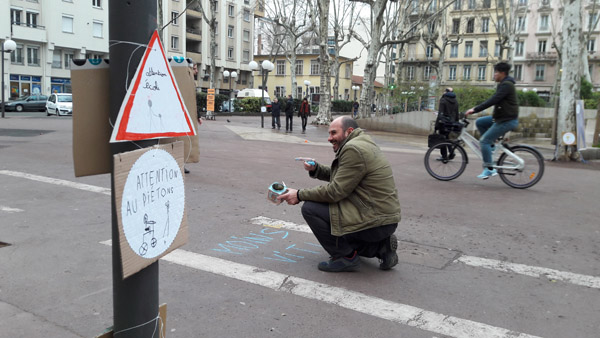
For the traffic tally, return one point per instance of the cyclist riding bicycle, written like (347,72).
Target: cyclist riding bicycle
(503,119)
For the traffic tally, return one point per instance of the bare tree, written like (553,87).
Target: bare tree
(571,75)
(322,23)
(507,24)
(211,20)
(591,26)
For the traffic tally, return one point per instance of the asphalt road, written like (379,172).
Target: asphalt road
(477,258)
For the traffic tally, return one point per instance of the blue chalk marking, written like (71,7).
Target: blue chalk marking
(317,245)
(281,258)
(225,249)
(289,254)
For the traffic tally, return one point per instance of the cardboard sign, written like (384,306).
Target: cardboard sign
(91,113)
(150,203)
(153,106)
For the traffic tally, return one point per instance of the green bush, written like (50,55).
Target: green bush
(201,102)
(250,104)
(341,106)
(471,96)
(530,99)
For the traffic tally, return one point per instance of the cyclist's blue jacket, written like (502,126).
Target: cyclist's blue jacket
(505,103)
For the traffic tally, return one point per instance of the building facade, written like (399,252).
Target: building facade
(50,33)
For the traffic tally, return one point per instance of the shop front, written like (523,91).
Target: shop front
(23,85)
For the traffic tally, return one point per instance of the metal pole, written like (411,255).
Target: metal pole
(262,102)
(135,299)
(3,79)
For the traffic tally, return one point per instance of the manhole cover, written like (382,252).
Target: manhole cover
(426,255)
(23,132)
(2,244)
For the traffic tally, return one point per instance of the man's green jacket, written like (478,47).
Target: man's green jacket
(361,191)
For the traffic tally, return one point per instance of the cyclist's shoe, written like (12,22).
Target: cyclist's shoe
(451,156)
(487,173)
(388,257)
(442,159)
(341,264)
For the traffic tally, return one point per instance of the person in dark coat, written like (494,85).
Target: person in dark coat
(447,113)
(289,113)
(275,113)
(304,113)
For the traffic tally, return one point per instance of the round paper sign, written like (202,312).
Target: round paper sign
(568,138)
(153,203)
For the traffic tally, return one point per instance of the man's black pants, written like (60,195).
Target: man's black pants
(367,243)
(288,122)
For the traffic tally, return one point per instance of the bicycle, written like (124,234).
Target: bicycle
(519,166)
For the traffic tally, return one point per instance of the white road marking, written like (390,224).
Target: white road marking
(352,300)
(56,181)
(527,270)
(532,271)
(9,210)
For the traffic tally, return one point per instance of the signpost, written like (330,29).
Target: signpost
(210,104)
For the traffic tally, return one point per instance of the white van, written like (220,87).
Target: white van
(251,92)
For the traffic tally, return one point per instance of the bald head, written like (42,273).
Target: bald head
(339,129)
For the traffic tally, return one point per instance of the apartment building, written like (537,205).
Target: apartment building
(475,45)
(50,33)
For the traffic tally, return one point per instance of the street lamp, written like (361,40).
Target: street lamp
(265,67)
(7,47)
(231,76)
(306,83)
(355,88)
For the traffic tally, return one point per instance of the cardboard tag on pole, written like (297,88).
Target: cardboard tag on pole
(150,203)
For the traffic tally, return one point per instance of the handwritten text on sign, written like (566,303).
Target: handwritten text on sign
(153,203)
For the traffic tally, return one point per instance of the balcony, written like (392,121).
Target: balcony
(542,56)
(26,32)
(193,34)
(195,56)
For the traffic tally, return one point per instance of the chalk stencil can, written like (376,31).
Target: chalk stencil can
(275,190)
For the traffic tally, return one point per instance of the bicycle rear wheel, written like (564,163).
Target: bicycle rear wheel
(530,175)
(449,167)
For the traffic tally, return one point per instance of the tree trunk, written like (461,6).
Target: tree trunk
(324,115)
(570,78)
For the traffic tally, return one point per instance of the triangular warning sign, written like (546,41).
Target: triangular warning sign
(153,106)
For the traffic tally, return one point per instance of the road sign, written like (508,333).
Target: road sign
(153,106)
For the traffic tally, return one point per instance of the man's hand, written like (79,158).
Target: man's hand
(310,167)
(291,196)
(469,112)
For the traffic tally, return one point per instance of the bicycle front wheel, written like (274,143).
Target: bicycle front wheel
(530,174)
(446,161)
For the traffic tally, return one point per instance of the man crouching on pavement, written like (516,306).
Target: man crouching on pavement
(357,211)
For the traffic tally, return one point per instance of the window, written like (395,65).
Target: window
(431,27)
(522,2)
(483,48)
(216,53)
(246,35)
(472,4)
(429,51)
(521,23)
(468,49)
(230,53)
(246,15)
(174,42)
(455,26)
(457,5)
(544,23)
(97,29)
(518,72)
(68,59)
(519,48)
(174,16)
(15,16)
(454,50)
(471,25)
(67,24)
(452,72)
(97,3)
(230,31)
(410,72)
(299,67)
(542,46)
(539,72)
(246,55)
(230,10)
(485,25)
(592,21)
(280,67)
(467,72)
(57,59)
(16,56)
(500,24)
(315,67)
(349,71)
(481,72)
(32,19)
(497,48)
(33,56)
(487,3)
(591,46)
(279,91)
(426,72)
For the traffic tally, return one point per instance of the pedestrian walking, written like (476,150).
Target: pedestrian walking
(275,113)
(357,211)
(355,108)
(289,113)
(447,114)
(304,113)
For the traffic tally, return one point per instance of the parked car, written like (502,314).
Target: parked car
(23,103)
(59,104)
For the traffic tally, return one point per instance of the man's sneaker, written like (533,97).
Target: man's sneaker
(487,173)
(388,257)
(341,264)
